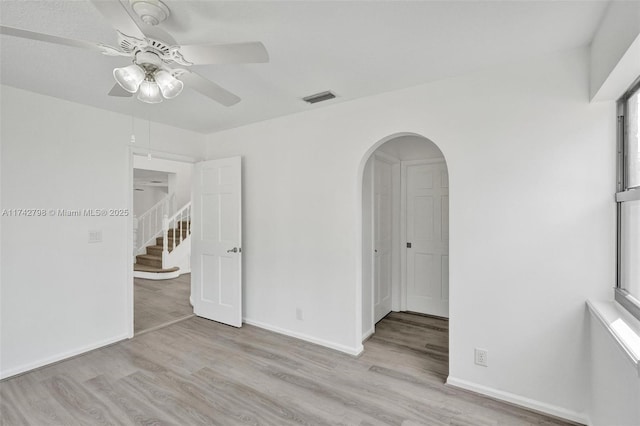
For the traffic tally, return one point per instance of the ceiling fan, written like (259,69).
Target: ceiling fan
(153,75)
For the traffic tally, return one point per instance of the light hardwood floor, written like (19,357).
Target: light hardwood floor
(198,372)
(159,302)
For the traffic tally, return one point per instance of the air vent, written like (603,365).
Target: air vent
(319,97)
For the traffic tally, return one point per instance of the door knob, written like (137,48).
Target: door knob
(233,250)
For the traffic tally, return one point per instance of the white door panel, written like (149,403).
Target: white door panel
(382,220)
(427,221)
(216,241)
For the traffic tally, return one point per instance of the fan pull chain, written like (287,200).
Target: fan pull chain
(149,131)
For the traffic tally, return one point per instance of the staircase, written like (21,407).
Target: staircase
(167,253)
(151,261)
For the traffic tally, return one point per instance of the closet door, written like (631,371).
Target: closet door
(427,219)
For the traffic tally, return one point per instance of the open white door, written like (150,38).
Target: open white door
(216,235)
(382,225)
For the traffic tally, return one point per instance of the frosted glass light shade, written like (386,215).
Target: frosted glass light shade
(149,92)
(129,78)
(169,85)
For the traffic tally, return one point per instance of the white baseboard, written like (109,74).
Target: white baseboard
(60,357)
(521,401)
(331,345)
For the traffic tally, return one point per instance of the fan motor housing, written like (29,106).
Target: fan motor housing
(148,60)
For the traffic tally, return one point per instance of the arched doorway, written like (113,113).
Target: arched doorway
(405,230)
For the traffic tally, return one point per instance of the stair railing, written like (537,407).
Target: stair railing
(179,230)
(148,226)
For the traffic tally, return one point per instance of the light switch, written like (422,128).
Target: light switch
(95,236)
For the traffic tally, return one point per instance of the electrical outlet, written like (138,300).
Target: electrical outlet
(482,357)
(299,315)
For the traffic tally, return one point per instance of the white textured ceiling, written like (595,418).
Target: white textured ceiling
(352,48)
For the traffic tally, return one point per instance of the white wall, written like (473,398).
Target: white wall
(180,174)
(147,198)
(61,295)
(615,51)
(531,166)
(615,396)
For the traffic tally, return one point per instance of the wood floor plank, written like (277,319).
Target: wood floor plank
(30,396)
(201,372)
(158,302)
(136,411)
(80,402)
(173,403)
(11,414)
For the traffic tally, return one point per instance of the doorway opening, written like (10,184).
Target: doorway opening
(405,235)
(161,201)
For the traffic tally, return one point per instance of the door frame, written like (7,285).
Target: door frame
(403,222)
(163,155)
(360,303)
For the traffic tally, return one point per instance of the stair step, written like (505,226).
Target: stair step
(157,249)
(149,260)
(145,268)
(171,232)
(169,240)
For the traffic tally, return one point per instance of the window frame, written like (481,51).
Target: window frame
(623,195)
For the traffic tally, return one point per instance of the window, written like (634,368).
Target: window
(628,201)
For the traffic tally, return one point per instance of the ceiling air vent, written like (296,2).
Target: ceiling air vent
(319,97)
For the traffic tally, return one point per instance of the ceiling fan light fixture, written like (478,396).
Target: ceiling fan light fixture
(168,84)
(129,78)
(149,92)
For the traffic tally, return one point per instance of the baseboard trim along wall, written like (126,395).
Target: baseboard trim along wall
(5,374)
(331,345)
(520,401)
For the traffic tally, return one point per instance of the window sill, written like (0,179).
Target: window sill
(622,326)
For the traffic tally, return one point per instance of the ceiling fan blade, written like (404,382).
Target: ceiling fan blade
(16,32)
(236,53)
(119,92)
(118,16)
(209,88)
(158,34)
